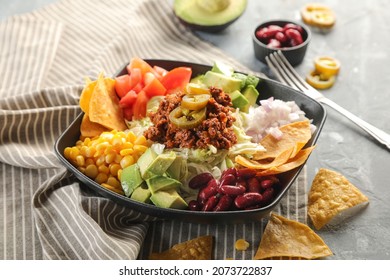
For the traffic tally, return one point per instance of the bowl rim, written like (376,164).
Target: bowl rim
(285,21)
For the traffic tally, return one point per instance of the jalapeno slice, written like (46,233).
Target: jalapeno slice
(184,118)
(327,66)
(195,101)
(194,88)
(319,81)
(318,15)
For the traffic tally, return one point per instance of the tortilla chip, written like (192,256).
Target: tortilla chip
(104,106)
(292,163)
(284,238)
(195,249)
(85,96)
(279,160)
(90,129)
(332,198)
(295,135)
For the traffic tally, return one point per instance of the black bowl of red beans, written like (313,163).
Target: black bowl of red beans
(288,36)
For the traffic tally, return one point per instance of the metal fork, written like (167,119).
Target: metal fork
(287,75)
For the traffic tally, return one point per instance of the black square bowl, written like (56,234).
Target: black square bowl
(267,88)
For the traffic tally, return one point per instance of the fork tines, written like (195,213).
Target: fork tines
(284,71)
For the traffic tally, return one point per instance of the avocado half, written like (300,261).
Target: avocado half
(209,15)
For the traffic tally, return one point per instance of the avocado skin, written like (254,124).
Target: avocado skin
(191,15)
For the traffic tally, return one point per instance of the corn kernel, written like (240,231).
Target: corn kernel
(101,160)
(119,174)
(101,178)
(80,160)
(110,157)
(103,169)
(126,152)
(89,161)
(127,161)
(114,182)
(114,168)
(130,137)
(141,140)
(74,152)
(67,152)
(241,245)
(127,145)
(111,188)
(91,171)
(90,151)
(140,148)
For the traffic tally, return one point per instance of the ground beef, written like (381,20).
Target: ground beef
(215,130)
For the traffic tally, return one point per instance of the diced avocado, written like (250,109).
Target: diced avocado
(220,67)
(238,99)
(227,84)
(160,165)
(141,194)
(131,179)
(176,169)
(252,80)
(198,79)
(251,95)
(241,77)
(168,199)
(209,13)
(145,160)
(162,183)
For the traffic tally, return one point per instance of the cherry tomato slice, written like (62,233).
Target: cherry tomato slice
(327,66)
(318,81)
(186,119)
(195,101)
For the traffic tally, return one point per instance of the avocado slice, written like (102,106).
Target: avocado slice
(131,179)
(251,95)
(209,13)
(168,199)
(162,183)
(238,99)
(227,84)
(152,164)
(142,193)
(220,67)
(177,168)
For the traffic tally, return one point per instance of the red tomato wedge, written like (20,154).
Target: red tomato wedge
(141,64)
(160,71)
(139,107)
(154,88)
(128,113)
(135,77)
(128,100)
(177,78)
(122,85)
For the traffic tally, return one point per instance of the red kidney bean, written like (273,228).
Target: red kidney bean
(208,191)
(273,43)
(281,37)
(210,203)
(200,180)
(293,26)
(268,195)
(228,179)
(232,190)
(246,173)
(243,183)
(294,36)
(224,203)
(247,200)
(194,205)
(266,183)
(253,185)
(228,171)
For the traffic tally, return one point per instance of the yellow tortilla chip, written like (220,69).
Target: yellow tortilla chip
(285,238)
(332,198)
(104,106)
(279,160)
(85,96)
(295,135)
(90,129)
(292,163)
(195,249)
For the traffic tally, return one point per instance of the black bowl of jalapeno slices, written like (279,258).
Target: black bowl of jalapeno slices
(204,209)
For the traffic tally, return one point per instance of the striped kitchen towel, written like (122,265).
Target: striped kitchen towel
(44,56)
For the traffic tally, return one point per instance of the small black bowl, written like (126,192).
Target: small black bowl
(294,55)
